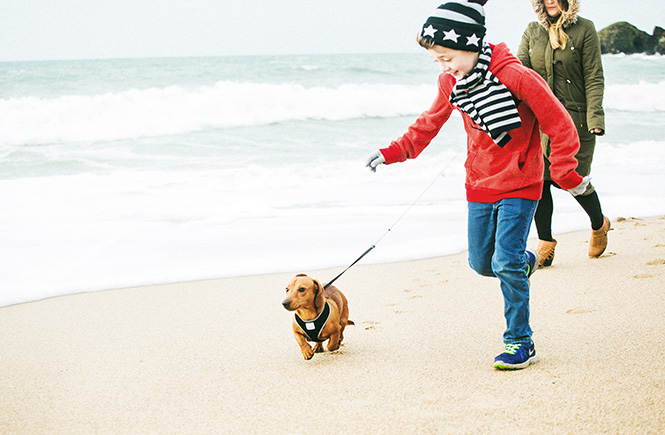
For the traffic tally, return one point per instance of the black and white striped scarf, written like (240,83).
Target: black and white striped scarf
(486,100)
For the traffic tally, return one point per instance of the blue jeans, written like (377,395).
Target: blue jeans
(497,243)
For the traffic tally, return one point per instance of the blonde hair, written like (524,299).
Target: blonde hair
(558,37)
(425,42)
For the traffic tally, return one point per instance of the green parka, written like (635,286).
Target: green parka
(575,74)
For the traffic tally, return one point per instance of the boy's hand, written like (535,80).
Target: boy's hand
(581,188)
(375,160)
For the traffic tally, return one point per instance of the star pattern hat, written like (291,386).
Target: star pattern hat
(458,24)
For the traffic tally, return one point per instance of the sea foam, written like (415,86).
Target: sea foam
(177,110)
(637,97)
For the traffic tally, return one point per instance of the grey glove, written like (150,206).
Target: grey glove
(581,188)
(375,160)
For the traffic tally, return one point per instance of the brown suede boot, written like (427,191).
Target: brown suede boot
(598,241)
(546,252)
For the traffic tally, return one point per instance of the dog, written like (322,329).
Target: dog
(320,314)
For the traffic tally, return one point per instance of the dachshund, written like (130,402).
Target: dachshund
(320,314)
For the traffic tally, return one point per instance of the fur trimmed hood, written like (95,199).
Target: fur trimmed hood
(569,16)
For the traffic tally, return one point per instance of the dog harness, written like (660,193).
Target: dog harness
(312,328)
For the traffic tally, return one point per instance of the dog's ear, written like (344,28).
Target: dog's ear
(319,298)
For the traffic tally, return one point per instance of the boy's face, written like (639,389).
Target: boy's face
(457,63)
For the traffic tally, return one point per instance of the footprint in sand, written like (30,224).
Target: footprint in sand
(412,296)
(656,262)
(580,311)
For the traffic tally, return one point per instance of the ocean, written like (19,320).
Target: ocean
(124,172)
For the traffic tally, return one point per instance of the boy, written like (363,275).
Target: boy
(503,105)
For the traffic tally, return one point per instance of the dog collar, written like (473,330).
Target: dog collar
(313,328)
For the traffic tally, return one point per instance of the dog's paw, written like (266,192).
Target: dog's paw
(307,352)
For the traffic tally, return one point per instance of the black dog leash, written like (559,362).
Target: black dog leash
(352,264)
(395,223)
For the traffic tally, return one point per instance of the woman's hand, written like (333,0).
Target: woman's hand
(597,131)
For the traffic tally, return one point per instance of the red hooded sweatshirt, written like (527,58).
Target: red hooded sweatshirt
(516,170)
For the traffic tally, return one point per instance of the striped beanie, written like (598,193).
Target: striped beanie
(457,24)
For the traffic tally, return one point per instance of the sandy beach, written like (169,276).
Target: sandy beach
(218,356)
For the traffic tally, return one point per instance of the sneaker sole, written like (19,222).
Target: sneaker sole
(500,365)
(535,263)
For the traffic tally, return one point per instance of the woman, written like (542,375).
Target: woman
(565,50)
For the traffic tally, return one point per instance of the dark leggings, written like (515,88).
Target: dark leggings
(543,218)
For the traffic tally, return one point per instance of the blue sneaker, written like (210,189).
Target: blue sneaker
(516,356)
(531,262)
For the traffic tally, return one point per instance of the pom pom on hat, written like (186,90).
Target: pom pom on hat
(458,24)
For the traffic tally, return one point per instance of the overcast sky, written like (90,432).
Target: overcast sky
(83,29)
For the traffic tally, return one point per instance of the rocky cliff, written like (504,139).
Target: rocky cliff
(623,37)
